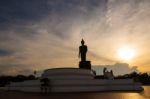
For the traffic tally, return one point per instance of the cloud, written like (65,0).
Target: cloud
(5,52)
(24,11)
(41,33)
(12,69)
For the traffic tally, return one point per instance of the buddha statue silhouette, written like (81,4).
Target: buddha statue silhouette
(84,64)
(82,51)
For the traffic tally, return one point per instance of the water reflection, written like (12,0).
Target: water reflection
(146,92)
(132,96)
(116,95)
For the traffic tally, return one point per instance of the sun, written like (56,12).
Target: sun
(126,53)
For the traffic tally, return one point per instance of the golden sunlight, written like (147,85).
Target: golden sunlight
(126,53)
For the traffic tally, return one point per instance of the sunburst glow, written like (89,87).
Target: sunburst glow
(126,53)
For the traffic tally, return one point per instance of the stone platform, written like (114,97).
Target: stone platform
(75,80)
(85,64)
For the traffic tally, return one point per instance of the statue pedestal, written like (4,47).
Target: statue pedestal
(85,64)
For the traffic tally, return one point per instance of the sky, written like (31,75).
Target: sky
(41,34)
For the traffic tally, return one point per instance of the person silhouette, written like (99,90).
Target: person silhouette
(82,51)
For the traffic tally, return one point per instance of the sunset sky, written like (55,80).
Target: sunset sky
(41,34)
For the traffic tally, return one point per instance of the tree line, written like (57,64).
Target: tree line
(19,78)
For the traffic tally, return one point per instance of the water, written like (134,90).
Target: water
(123,95)
(99,95)
(108,95)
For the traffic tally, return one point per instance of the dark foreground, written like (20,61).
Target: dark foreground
(101,95)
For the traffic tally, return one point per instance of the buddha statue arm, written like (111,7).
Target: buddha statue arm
(79,53)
